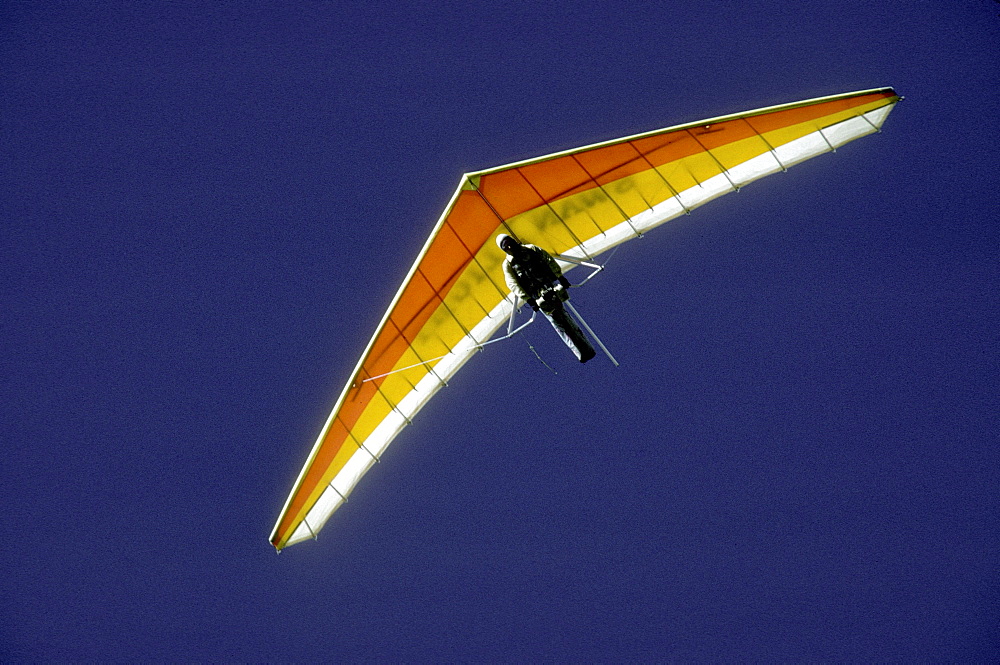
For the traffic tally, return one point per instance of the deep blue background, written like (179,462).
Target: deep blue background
(206,208)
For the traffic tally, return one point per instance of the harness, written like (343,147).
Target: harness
(533,272)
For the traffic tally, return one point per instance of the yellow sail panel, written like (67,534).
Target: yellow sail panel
(579,202)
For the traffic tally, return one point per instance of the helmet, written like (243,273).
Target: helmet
(504,238)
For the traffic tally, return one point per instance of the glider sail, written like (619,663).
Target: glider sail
(579,203)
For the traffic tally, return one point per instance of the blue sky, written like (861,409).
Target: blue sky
(209,206)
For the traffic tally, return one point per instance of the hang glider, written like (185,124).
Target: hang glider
(578,203)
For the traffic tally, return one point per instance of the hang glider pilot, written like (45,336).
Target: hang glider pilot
(535,277)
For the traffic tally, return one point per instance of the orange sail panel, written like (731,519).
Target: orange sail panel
(578,203)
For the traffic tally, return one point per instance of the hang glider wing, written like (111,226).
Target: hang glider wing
(579,203)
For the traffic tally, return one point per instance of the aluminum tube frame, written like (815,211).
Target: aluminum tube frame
(580,262)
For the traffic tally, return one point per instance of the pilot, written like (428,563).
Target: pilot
(535,277)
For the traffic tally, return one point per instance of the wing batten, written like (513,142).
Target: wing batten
(580,203)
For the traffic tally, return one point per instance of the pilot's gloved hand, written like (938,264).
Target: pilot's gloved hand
(534,305)
(565,282)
